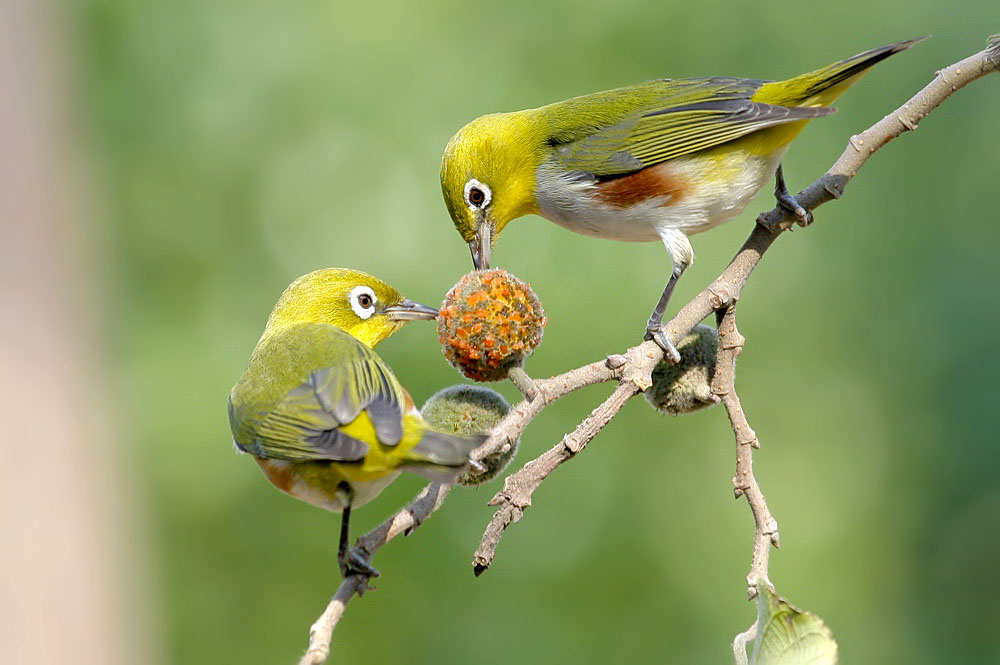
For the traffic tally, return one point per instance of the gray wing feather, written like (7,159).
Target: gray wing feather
(337,446)
(385,413)
(695,115)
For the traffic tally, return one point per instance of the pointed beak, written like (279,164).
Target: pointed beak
(407,310)
(480,246)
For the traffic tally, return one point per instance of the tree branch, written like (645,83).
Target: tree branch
(405,521)
(636,365)
(518,487)
(744,484)
(633,368)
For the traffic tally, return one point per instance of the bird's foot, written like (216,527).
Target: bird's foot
(356,561)
(658,333)
(787,201)
(802,216)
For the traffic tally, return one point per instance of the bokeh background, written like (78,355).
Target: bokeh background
(219,149)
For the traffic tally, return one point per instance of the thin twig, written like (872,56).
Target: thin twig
(904,119)
(518,487)
(744,484)
(406,520)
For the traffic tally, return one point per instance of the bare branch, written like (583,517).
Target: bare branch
(633,368)
(636,365)
(744,484)
(518,487)
(904,119)
(406,520)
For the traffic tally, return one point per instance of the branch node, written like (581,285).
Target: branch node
(615,361)
(525,384)
(720,296)
(572,444)
(833,187)
(907,123)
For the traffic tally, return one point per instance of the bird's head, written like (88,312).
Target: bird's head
(361,305)
(488,177)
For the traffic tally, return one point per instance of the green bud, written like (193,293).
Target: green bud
(687,386)
(464,409)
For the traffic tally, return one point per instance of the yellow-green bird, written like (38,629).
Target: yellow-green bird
(659,160)
(322,414)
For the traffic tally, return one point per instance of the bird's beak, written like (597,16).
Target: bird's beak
(480,246)
(407,310)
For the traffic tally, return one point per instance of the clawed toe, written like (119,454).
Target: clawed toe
(659,335)
(356,562)
(787,201)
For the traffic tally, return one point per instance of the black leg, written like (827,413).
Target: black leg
(351,561)
(655,329)
(787,201)
(345,520)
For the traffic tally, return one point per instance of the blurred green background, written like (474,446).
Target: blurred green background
(237,144)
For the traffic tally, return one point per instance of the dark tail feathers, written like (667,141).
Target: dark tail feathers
(442,457)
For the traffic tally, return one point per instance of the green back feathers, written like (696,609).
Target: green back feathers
(303,383)
(314,393)
(687,116)
(628,129)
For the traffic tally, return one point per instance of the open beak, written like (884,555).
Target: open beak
(480,246)
(407,310)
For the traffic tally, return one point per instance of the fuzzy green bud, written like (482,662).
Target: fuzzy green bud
(465,410)
(687,386)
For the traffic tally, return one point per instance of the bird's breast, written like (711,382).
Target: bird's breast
(690,194)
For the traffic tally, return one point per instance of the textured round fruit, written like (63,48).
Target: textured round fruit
(489,323)
(687,386)
(466,410)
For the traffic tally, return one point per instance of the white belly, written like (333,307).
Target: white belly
(722,188)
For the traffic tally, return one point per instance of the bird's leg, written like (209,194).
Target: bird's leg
(352,561)
(787,201)
(655,330)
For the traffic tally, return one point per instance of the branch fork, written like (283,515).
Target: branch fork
(631,370)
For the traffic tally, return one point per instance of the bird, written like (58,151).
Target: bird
(323,415)
(655,161)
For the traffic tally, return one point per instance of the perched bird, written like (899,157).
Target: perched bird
(322,414)
(659,160)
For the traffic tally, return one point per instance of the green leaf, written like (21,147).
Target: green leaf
(787,635)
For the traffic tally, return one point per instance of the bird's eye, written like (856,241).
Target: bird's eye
(363,299)
(477,194)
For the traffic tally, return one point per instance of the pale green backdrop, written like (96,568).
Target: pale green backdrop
(240,143)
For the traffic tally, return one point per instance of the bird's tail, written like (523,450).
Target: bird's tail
(823,86)
(442,457)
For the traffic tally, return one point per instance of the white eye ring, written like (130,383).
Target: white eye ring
(483,188)
(359,293)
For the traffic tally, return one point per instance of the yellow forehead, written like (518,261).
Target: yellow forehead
(325,296)
(503,152)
